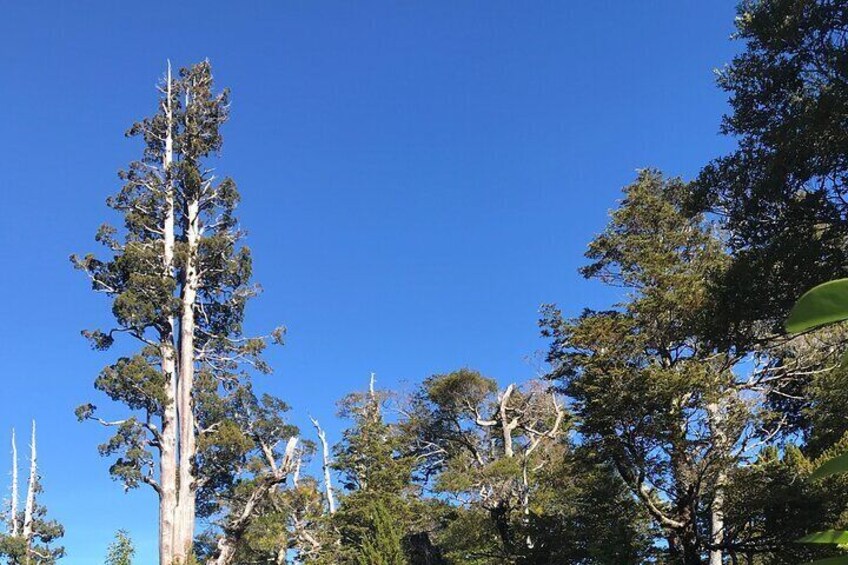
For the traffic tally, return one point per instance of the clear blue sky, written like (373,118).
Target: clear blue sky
(417,177)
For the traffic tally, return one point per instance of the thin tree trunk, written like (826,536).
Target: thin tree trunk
(234,530)
(691,555)
(525,500)
(325,466)
(717,522)
(507,426)
(29,508)
(716,421)
(13,508)
(168,443)
(500,516)
(185,405)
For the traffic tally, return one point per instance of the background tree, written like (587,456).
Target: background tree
(31,536)
(179,280)
(772,503)
(781,195)
(374,469)
(655,391)
(121,551)
(584,513)
(485,448)
(383,542)
(247,458)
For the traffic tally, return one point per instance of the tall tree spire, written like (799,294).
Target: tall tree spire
(32,486)
(13,503)
(179,279)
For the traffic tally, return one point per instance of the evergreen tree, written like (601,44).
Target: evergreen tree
(781,195)
(374,469)
(382,544)
(179,279)
(656,391)
(773,502)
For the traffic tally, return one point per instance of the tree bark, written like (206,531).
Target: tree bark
(168,443)
(716,423)
(717,524)
(235,529)
(13,508)
(29,508)
(507,426)
(184,527)
(325,465)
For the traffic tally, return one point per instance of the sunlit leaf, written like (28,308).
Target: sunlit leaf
(838,537)
(841,560)
(838,464)
(824,304)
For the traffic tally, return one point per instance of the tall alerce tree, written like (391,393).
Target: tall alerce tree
(178,278)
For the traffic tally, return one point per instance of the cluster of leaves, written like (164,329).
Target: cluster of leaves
(121,550)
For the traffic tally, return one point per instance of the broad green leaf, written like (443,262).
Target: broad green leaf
(824,304)
(838,537)
(841,560)
(838,464)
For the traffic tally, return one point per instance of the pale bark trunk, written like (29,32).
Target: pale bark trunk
(716,423)
(13,508)
(325,466)
(525,500)
(29,508)
(168,447)
(506,425)
(296,474)
(184,530)
(228,542)
(717,523)
(226,553)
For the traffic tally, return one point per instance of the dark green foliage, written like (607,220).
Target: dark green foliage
(374,469)
(145,292)
(781,194)
(654,393)
(584,513)
(772,503)
(382,544)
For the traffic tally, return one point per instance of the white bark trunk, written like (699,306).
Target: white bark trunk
(13,503)
(29,507)
(717,524)
(184,527)
(716,424)
(168,448)
(325,466)
(228,543)
(507,426)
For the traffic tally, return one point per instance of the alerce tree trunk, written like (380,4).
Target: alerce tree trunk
(179,280)
(168,449)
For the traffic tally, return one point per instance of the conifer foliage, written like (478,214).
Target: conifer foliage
(382,545)
(178,279)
